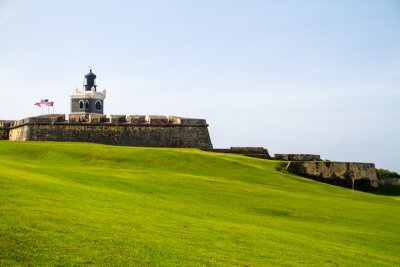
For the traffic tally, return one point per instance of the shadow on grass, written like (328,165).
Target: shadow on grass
(389,190)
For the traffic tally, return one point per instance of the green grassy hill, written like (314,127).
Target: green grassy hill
(73,203)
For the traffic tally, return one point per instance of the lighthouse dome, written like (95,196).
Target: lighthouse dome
(90,81)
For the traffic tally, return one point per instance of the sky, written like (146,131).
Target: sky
(315,77)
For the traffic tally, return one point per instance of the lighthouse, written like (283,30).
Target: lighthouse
(88,101)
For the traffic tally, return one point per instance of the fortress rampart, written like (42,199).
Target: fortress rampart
(389,181)
(255,152)
(134,130)
(338,173)
(5,129)
(297,157)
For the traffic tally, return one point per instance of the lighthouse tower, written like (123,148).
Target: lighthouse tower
(88,101)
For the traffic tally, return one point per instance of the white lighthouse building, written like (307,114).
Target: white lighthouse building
(88,101)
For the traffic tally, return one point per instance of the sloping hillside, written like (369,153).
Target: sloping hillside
(71,204)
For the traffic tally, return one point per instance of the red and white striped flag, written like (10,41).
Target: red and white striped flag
(37,104)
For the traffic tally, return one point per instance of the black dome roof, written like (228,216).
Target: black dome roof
(90,74)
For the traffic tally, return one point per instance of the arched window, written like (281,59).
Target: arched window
(81,104)
(87,104)
(98,105)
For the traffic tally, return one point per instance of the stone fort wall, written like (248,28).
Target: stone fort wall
(157,131)
(4,134)
(5,129)
(177,132)
(297,157)
(255,152)
(338,173)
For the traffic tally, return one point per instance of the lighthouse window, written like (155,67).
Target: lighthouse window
(87,105)
(98,105)
(81,104)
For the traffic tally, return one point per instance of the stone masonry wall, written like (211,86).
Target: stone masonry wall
(297,157)
(4,134)
(118,133)
(338,173)
(389,181)
(256,152)
(5,129)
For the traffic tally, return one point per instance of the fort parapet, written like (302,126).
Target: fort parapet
(255,152)
(297,157)
(133,130)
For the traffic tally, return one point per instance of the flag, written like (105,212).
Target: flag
(38,104)
(44,101)
(50,104)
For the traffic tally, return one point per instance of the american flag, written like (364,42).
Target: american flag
(44,101)
(50,104)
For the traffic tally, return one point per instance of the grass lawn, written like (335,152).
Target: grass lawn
(74,203)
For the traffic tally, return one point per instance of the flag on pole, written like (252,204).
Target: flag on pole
(45,102)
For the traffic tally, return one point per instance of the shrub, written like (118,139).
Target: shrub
(381,173)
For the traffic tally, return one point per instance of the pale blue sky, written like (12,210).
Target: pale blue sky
(318,77)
